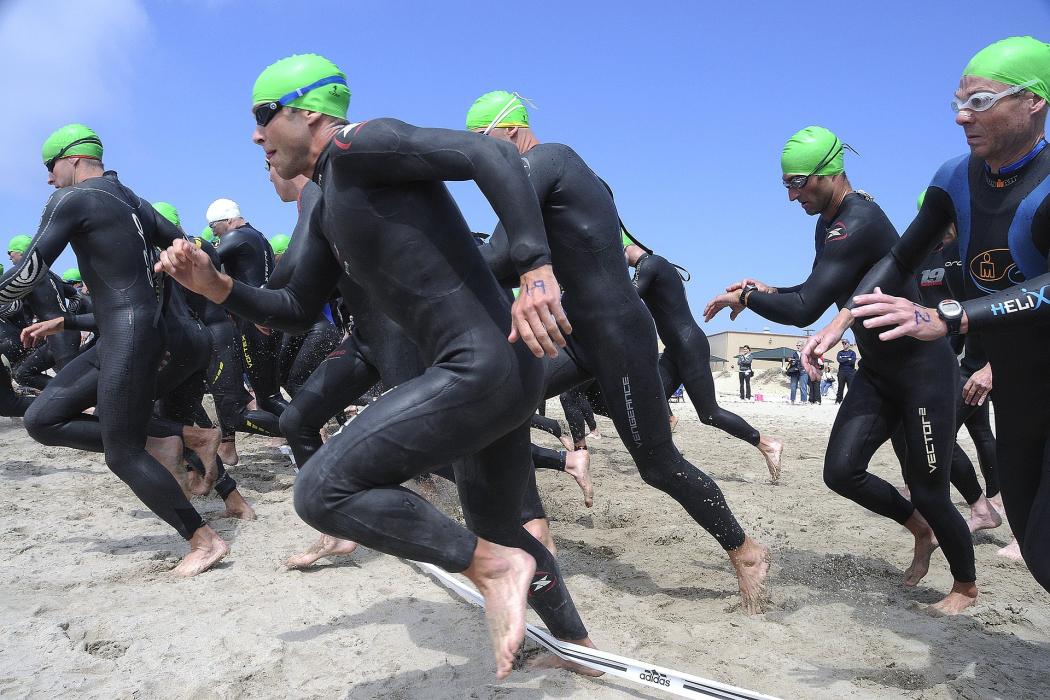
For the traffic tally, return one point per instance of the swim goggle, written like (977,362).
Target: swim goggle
(983,101)
(266,111)
(797,182)
(50,162)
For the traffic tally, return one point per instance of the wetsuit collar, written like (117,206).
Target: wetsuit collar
(322,161)
(1017,165)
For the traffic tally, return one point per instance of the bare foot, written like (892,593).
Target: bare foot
(751,561)
(595,434)
(997,501)
(567,443)
(327,546)
(674,422)
(502,576)
(983,516)
(772,450)
(206,550)
(228,451)
(578,466)
(905,492)
(205,442)
(168,451)
(962,596)
(925,546)
(1011,551)
(237,507)
(554,661)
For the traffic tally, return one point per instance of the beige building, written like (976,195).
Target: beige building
(729,344)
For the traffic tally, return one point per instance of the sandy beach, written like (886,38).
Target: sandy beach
(89,609)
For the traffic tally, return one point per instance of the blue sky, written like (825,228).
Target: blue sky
(682,107)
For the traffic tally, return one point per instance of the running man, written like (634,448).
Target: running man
(998,198)
(113,233)
(387,220)
(614,339)
(852,233)
(687,354)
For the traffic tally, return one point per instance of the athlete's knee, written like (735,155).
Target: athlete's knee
(659,465)
(291,421)
(308,498)
(840,477)
(42,424)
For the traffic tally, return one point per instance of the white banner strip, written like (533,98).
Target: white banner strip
(648,675)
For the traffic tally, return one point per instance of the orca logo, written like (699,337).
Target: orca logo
(837,232)
(655,677)
(541,583)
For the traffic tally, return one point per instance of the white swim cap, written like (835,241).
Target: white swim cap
(222,209)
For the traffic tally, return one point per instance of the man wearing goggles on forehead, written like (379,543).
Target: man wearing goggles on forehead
(852,234)
(998,198)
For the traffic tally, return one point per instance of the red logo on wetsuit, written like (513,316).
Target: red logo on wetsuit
(541,583)
(346,133)
(837,232)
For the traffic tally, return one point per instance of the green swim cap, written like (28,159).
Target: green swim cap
(168,212)
(19,244)
(72,140)
(1014,61)
(207,234)
(922,198)
(812,151)
(72,275)
(279,243)
(497,108)
(304,81)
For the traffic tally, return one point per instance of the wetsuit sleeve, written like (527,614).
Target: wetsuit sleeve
(921,238)
(62,216)
(390,152)
(296,306)
(789,290)
(843,257)
(10,310)
(79,322)
(643,277)
(496,253)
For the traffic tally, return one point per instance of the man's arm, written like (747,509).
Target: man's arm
(842,260)
(388,151)
(293,308)
(57,224)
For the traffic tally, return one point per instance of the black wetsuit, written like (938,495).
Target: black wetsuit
(903,382)
(299,355)
(686,359)
(388,222)
(613,338)
(1003,224)
(48,300)
(247,257)
(12,321)
(934,288)
(578,412)
(225,377)
(113,233)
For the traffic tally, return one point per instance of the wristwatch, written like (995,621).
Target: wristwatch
(748,288)
(951,313)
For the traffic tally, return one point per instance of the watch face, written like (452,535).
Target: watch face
(950,308)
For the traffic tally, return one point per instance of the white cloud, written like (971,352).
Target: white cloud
(63,61)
